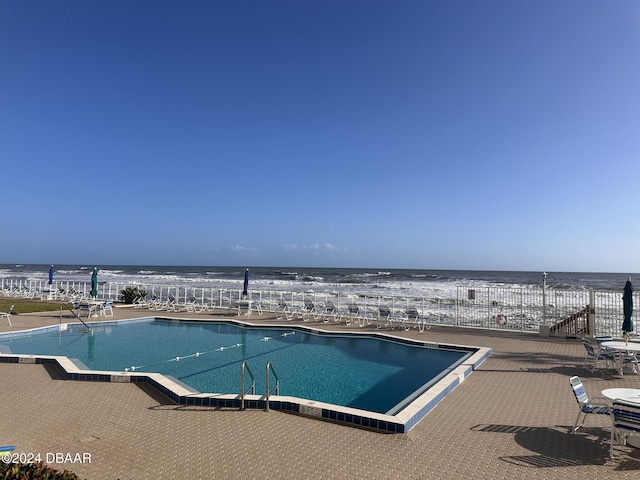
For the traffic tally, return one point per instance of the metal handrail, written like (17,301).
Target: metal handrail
(243,391)
(66,305)
(276,389)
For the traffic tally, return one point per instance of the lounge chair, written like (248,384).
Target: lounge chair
(311,310)
(176,306)
(585,406)
(384,315)
(285,311)
(594,356)
(330,312)
(7,315)
(625,422)
(140,301)
(412,316)
(353,313)
(172,303)
(152,302)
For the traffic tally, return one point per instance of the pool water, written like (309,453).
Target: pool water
(365,373)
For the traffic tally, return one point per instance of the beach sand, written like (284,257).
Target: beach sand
(509,419)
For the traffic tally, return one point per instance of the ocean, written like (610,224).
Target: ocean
(366,281)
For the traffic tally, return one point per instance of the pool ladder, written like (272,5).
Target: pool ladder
(243,390)
(66,305)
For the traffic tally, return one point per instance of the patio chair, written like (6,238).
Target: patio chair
(7,315)
(585,406)
(594,356)
(625,422)
(106,309)
(620,358)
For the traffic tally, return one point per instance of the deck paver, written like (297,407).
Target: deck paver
(508,419)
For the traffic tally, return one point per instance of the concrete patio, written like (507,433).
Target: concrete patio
(509,419)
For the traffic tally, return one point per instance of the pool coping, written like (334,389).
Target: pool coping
(182,394)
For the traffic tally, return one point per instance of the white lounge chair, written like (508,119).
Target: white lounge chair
(413,316)
(7,315)
(311,311)
(284,311)
(411,319)
(330,312)
(353,314)
(384,316)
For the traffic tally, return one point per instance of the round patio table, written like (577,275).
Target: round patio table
(631,348)
(628,395)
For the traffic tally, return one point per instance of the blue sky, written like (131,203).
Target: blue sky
(418,134)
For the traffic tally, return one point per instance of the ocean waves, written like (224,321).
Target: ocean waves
(359,282)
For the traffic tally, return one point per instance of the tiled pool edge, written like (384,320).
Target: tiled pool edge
(182,394)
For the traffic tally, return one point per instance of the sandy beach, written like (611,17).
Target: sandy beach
(508,419)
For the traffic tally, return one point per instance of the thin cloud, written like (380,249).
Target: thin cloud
(243,249)
(316,247)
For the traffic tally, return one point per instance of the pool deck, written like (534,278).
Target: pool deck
(509,419)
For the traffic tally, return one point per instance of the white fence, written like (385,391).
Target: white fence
(565,312)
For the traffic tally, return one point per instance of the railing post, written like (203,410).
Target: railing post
(244,366)
(242,386)
(266,396)
(591,314)
(277,388)
(544,329)
(544,298)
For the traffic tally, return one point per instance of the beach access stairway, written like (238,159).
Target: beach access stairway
(576,324)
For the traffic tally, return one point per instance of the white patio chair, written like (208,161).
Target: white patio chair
(106,309)
(7,315)
(585,406)
(595,356)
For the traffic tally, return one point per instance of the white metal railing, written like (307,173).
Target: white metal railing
(524,309)
(243,389)
(276,389)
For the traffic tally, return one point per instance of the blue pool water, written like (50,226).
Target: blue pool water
(365,373)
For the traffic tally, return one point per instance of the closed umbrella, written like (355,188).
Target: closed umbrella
(51,275)
(94,282)
(627,306)
(245,291)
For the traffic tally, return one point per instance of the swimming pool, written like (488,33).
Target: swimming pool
(360,373)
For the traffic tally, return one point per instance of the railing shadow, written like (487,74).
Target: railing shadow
(552,447)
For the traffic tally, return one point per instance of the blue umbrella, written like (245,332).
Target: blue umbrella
(51,275)
(94,282)
(245,292)
(627,306)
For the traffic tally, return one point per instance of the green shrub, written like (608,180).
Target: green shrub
(33,471)
(129,294)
